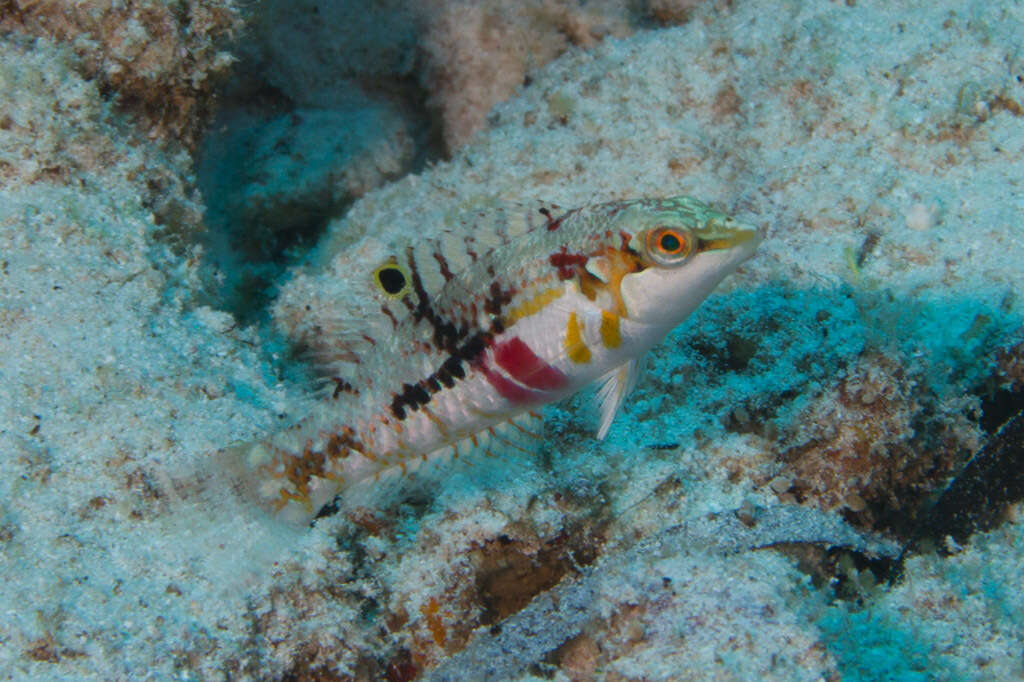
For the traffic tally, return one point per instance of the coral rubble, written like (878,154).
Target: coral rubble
(159,60)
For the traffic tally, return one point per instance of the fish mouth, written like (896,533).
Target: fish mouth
(744,236)
(760,232)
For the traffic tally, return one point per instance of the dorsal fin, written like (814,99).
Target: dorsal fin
(406,289)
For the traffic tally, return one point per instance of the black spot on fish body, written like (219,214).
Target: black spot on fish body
(342,386)
(417,395)
(413,396)
(474,347)
(392,280)
(452,369)
(497,298)
(396,407)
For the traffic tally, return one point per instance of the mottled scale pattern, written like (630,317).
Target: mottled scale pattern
(446,342)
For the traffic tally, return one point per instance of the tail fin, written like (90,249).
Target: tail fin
(282,485)
(291,487)
(265,485)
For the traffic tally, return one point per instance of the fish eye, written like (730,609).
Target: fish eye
(392,279)
(669,245)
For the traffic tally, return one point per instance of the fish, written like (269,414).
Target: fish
(448,342)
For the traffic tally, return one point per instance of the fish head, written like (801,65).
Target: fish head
(682,249)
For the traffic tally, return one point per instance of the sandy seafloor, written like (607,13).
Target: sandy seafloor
(882,145)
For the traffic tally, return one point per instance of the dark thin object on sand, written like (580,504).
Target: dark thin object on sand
(559,614)
(978,497)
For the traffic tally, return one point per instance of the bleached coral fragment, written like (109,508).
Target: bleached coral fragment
(920,216)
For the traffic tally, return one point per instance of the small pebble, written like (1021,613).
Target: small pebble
(920,217)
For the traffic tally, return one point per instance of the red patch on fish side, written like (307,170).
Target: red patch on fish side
(530,375)
(523,365)
(566,262)
(508,389)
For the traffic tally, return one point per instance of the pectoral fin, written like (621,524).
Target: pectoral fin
(612,391)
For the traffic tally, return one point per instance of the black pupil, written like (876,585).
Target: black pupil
(392,280)
(670,242)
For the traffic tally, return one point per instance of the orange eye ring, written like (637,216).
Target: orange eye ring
(669,245)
